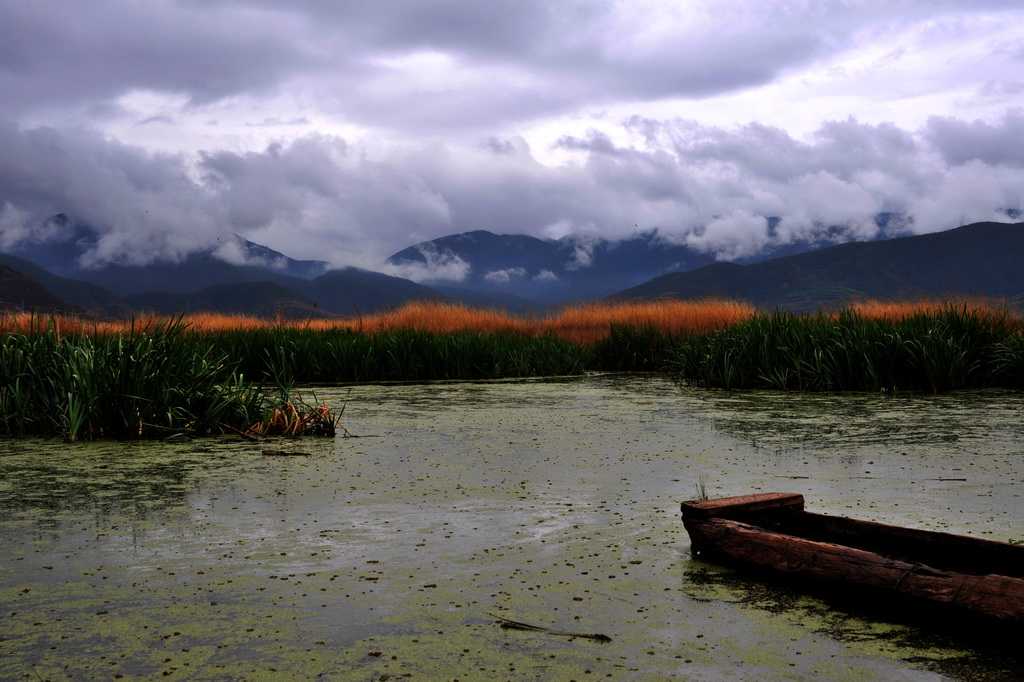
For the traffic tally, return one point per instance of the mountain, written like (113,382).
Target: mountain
(266,284)
(192,274)
(984,259)
(200,270)
(259,299)
(250,262)
(351,291)
(523,273)
(544,271)
(495,300)
(84,295)
(20,293)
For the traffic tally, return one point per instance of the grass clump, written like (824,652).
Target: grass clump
(340,355)
(156,378)
(126,385)
(950,349)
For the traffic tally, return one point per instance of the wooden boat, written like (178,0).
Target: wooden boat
(902,566)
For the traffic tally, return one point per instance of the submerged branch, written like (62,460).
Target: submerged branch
(516,625)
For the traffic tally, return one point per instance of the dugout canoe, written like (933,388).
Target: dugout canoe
(902,566)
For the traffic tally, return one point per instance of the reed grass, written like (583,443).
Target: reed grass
(982,306)
(155,383)
(152,377)
(581,324)
(338,355)
(949,349)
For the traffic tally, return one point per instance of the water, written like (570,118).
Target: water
(553,503)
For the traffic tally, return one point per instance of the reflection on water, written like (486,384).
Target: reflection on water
(876,420)
(552,502)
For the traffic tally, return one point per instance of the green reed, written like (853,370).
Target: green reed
(631,349)
(132,385)
(948,350)
(173,380)
(284,354)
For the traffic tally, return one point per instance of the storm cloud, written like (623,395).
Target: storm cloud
(348,131)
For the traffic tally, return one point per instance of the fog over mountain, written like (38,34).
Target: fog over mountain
(345,132)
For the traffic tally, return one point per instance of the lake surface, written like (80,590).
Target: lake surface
(549,502)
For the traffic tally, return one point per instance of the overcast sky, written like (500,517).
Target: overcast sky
(349,130)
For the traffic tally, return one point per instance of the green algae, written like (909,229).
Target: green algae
(547,502)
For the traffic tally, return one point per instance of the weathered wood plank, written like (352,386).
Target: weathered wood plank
(995,596)
(961,553)
(742,504)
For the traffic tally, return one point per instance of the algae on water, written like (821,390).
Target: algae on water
(548,502)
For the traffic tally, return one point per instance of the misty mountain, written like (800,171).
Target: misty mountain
(207,283)
(191,274)
(200,271)
(349,291)
(542,270)
(238,277)
(980,259)
(233,262)
(519,273)
(482,267)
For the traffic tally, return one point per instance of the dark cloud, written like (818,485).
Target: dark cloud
(323,197)
(960,142)
(64,54)
(421,82)
(508,62)
(426,66)
(143,205)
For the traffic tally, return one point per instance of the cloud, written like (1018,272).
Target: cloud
(582,255)
(346,131)
(505,275)
(455,65)
(356,203)
(545,276)
(324,199)
(737,235)
(437,266)
(961,142)
(968,193)
(84,55)
(18,226)
(143,205)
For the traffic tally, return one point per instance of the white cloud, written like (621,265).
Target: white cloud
(736,235)
(545,276)
(582,257)
(18,226)
(437,266)
(968,193)
(505,275)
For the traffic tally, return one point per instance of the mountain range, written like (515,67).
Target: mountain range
(516,272)
(982,259)
(546,271)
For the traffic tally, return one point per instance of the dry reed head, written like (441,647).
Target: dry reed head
(985,307)
(589,323)
(583,323)
(580,323)
(437,317)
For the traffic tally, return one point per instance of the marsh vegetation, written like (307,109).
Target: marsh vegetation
(153,378)
(155,383)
